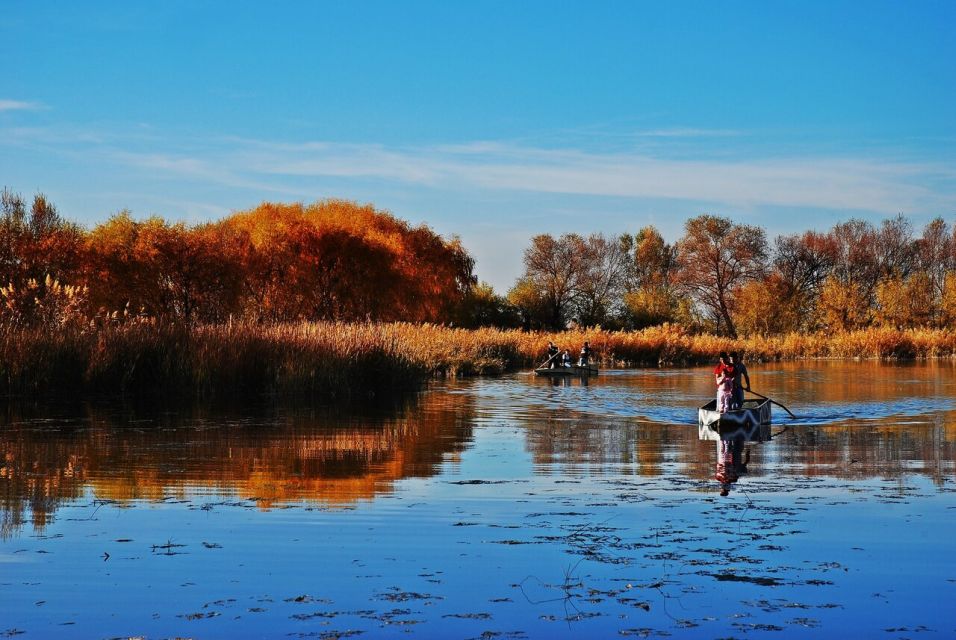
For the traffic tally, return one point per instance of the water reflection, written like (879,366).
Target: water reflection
(268,455)
(733,452)
(854,420)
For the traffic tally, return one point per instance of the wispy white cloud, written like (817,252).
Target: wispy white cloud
(841,183)
(745,180)
(19,105)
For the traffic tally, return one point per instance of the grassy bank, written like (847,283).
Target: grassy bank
(330,360)
(359,360)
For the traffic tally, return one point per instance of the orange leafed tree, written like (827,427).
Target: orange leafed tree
(342,261)
(331,260)
(40,253)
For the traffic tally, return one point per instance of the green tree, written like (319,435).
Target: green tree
(482,307)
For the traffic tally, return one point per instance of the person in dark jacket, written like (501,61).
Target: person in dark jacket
(740,377)
(553,352)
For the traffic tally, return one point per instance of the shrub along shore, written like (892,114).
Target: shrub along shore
(360,360)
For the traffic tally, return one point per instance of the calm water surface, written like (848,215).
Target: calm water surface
(494,508)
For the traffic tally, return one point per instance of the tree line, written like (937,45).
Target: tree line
(331,260)
(338,260)
(726,278)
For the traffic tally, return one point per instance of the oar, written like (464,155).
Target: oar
(545,363)
(771,400)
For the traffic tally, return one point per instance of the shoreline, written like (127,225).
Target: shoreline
(356,361)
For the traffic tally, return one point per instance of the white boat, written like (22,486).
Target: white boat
(750,422)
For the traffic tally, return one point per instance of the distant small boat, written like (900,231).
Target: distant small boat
(750,422)
(573,370)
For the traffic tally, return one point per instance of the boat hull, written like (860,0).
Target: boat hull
(750,422)
(560,372)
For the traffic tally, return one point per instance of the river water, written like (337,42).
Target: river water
(509,507)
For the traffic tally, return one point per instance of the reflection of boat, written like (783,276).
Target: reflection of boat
(573,370)
(750,422)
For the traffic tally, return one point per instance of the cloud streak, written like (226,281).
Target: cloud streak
(19,105)
(839,183)
(835,183)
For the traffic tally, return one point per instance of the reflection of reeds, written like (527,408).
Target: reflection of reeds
(361,359)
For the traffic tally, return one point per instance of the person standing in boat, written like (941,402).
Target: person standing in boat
(724,377)
(740,377)
(553,352)
(586,352)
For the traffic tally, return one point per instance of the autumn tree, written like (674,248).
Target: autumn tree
(650,298)
(896,250)
(553,271)
(40,253)
(904,303)
(936,257)
(842,305)
(947,303)
(338,260)
(855,257)
(132,266)
(767,306)
(529,303)
(803,263)
(605,267)
(715,258)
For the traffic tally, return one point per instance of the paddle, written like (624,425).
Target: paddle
(771,400)
(546,362)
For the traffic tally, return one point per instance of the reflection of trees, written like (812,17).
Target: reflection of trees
(850,450)
(866,450)
(589,443)
(278,456)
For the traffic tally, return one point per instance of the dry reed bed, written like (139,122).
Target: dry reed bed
(358,360)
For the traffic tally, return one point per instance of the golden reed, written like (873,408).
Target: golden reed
(358,360)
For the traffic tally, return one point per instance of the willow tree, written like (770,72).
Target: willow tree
(715,258)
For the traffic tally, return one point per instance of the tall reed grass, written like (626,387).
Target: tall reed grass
(360,360)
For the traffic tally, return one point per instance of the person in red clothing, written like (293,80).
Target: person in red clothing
(724,376)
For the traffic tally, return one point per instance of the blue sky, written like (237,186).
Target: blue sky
(491,120)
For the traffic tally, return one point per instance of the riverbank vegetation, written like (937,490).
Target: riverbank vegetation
(341,299)
(359,360)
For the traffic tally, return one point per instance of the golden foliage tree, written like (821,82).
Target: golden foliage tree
(332,260)
(767,306)
(651,300)
(904,303)
(843,305)
(342,261)
(947,304)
